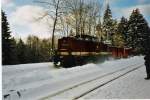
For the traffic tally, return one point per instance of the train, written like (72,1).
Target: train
(81,49)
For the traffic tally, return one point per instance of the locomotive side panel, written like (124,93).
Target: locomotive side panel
(76,47)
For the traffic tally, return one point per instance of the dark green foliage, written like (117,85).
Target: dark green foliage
(137,31)
(107,15)
(123,28)
(45,50)
(38,50)
(14,57)
(146,42)
(8,43)
(33,48)
(21,52)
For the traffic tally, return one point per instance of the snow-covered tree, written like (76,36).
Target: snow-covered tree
(137,31)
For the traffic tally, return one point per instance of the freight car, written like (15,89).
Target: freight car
(81,49)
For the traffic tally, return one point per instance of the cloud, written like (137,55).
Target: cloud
(141,1)
(7,3)
(26,17)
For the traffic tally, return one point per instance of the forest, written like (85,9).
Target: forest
(75,17)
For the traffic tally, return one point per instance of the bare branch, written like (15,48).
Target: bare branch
(41,17)
(44,2)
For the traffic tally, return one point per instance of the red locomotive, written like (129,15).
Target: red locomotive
(80,49)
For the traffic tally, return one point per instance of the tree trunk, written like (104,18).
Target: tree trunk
(54,27)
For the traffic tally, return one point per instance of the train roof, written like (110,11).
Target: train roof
(82,37)
(86,36)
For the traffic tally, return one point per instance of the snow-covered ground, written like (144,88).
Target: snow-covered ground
(35,81)
(130,86)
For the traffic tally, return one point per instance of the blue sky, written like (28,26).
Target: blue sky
(125,7)
(19,14)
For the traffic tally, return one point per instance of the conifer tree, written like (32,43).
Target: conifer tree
(14,57)
(8,43)
(45,50)
(123,28)
(114,33)
(108,23)
(21,52)
(33,49)
(138,29)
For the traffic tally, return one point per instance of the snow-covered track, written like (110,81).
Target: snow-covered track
(91,85)
(107,82)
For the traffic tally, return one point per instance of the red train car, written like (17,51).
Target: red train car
(118,52)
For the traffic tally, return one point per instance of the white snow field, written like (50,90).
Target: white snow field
(43,81)
(131,86)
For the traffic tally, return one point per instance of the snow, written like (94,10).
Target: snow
(131,86)
(21,77)
(36,81)
(103,79)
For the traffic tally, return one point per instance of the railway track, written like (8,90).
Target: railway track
(113,79)
(92,84)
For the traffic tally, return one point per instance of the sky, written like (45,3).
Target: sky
(22,15)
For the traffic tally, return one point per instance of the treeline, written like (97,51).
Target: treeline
(17,51)
(77,17)
(33,50)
